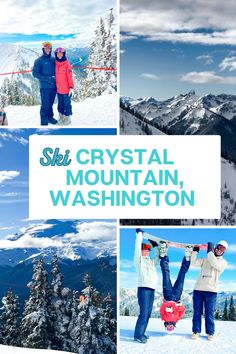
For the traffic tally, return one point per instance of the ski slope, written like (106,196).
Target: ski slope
(179,342)
(97,112)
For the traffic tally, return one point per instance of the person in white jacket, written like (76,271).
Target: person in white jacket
(206,288)
(147,283)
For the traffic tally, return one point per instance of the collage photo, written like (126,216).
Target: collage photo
(117,177)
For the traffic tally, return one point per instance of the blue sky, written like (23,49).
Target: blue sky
(172,48)
(128,277)
(14,173)
(66,23)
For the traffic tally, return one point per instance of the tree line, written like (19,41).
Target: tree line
(55,317)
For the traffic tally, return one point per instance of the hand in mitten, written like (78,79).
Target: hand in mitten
(51,80)
(210,247)
(153,243)
(71,92)
(196,249)
(139,230)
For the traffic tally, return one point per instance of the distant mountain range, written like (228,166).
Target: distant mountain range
(129,301)
(77,256)
(15,58)
(189,114)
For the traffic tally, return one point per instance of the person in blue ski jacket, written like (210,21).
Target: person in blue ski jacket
(44,71)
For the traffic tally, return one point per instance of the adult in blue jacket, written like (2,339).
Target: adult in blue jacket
(44,71)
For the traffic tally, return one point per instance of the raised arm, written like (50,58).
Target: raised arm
(216,262)
(137,252)
(195,261)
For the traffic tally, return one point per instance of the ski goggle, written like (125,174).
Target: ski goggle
(220,248)
(46,45)
(170,328)
(146,246)
(60,50)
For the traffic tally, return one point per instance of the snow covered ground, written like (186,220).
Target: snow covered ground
(16,350)
(179,342)
(130,125)
(98,112)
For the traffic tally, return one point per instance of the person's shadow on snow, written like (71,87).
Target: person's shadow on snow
(127,335)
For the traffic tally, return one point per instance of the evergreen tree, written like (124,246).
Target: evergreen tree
(109,327)
(111,51)
(60,315)
(36,326)
(232,310)
(16,98)
(126,312)
(10,319)
(102,55)
(217,313)
(225,316)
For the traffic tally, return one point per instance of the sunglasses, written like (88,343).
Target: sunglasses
(60,50)
(220,248)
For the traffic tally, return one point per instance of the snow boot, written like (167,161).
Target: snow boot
(52,121)
(211,336)
(141,340)
(61,119)
(195,335)
(67,120)
(163,249)
(188,252)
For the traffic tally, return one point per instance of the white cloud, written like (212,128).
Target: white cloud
(177,20)
(8,175)
(127,264)
(125,38)
(205,77)
(10,194)
(206,59)
(27,241)
(122,51)
(12,137)
(53,18)
(228,64)
(150,76)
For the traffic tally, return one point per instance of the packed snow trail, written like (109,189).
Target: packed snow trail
(97,112)
(180,341)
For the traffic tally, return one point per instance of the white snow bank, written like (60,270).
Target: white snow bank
(96,112)
(180,341)
(16,350)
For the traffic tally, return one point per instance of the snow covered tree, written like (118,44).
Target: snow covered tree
(232,310)
(217,313)
(225,315)
(111,51)
(60,309)
(102,55)
(10,319)
(109,325)
(36,326)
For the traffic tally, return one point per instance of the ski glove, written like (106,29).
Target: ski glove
(139,230)
(196,249)
(210,247)
(153,243)
(71,92)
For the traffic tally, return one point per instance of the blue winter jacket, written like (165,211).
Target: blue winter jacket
(44,71)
